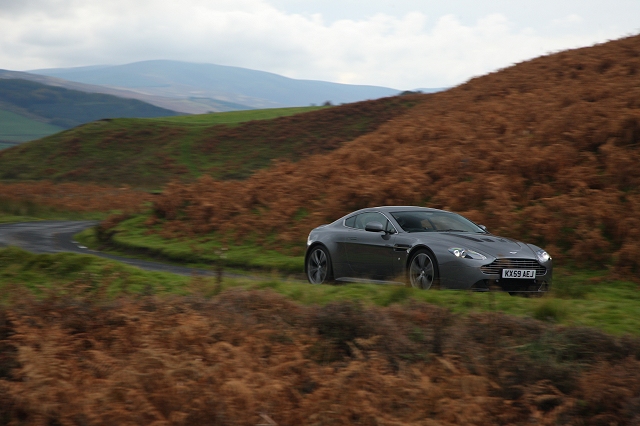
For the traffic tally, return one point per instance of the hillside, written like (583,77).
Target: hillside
(16,128)
(215,83)
(546,151)
(66,108)
(151,152)
(180,105)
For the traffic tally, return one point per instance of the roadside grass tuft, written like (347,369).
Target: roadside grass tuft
(550,310)
(575,284)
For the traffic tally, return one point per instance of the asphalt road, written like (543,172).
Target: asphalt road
(57,237)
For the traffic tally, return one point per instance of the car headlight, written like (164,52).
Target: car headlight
(466,253)
(543,256)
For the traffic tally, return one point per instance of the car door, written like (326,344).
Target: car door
(370,254)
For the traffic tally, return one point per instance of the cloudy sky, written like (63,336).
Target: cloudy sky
(404,44)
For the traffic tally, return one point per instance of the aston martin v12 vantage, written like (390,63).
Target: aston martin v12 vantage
(426,248)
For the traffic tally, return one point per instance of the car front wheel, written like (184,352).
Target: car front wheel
(319,266)
(422,272)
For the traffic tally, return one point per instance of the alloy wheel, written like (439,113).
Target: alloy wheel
(317,266)
(421,271)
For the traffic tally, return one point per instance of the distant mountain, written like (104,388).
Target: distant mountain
(185,106)
(34,109)
(209,84)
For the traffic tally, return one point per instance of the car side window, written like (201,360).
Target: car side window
(389,228)
(350,222)
(363,218)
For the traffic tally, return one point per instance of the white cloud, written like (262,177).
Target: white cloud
(568,20)
(408,51)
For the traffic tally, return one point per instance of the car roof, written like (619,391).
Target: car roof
(387,209)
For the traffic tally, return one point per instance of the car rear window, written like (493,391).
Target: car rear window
(350,222)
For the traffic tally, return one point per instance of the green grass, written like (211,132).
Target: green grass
(131,237)
(9,218)
(67,273)
(235,117)
(612,306)
(16,128)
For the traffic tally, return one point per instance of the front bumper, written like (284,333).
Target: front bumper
(512,286)
(480,276)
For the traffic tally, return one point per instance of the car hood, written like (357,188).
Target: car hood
(492,245)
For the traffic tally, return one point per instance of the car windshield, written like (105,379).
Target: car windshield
(435,221)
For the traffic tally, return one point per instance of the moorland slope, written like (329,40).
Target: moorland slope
(546,151)
(151,152)
(253,357)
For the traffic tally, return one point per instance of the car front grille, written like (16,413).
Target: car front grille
(498,265)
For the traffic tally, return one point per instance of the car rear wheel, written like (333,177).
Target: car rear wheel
(319,266)
(422,272)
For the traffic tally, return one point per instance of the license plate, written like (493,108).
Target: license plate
(519,273)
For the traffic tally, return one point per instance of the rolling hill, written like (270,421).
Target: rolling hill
(209,84)
(184,105)
(31,110)
(151,152)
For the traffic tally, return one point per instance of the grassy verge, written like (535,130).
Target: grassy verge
(9,218)
(578,298)
(612,306)
(68,273)
(130,237)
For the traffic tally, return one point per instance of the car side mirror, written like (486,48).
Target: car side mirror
(484,228)
(374,227)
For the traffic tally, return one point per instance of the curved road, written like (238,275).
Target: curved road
(57,236)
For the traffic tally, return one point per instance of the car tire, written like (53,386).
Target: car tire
(422,271)
(318,266)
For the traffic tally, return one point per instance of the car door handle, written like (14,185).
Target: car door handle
(352,238)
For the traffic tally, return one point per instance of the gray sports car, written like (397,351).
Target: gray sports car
(426,248)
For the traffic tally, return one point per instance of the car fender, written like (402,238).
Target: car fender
(339,268)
